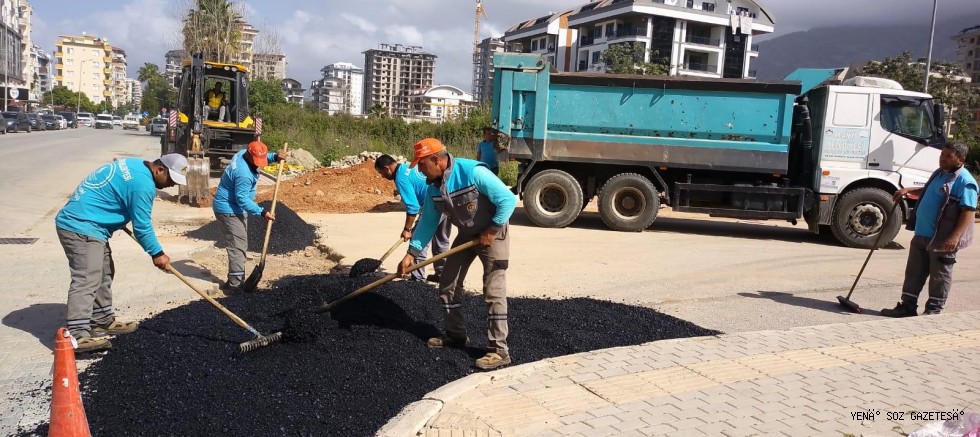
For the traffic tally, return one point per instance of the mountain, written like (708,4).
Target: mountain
(833,47)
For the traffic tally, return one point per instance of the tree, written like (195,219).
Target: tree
(65,98)
(148,72)
(263,93)
(214,28)
(627,58)
(378,111)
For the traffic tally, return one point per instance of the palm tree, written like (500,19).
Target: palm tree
(214,29)
(148,71)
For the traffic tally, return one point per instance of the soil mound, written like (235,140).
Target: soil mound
(338,190)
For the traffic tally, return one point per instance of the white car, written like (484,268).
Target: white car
(131,122)
(86,119)
(116,120)
(103,121)
(61,121)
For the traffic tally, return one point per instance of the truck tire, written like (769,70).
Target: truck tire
(553,199)
(861,214)
(628,202)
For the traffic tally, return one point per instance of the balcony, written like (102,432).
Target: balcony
(703,40)
(627,33)
(699,66)
(107,59)
(586,41)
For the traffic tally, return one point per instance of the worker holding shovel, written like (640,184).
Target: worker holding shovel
(235,200)
(412,188)
(475,201)
(105,201)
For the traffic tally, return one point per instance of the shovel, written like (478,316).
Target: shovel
(846,302)
(328,306)
(252,282)
(369,265)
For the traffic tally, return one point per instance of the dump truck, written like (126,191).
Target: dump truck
(208,137)
(812,146)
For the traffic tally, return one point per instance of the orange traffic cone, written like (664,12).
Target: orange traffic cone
(67,413)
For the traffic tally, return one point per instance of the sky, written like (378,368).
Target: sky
(315,33)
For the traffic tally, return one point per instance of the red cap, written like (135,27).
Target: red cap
(426,147)
(259,152)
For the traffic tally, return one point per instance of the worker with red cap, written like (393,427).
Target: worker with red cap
(479,205)
(235,200)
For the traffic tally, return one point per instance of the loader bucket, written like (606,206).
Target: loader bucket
(198,174)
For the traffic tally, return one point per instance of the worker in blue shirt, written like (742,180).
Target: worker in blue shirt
(479,205)
(107,199)
(485,151)
(235,200)
(411,188)
(943,224)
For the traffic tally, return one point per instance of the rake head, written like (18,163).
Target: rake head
(259,341)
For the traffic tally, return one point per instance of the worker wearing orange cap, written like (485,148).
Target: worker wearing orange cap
(479,205)
(235,200)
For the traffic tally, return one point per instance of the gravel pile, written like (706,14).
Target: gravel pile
(289,232)
(364,266)
(343,374)
(304,158)
(352,160)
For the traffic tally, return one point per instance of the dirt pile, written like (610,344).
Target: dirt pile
(344,374)
(289,232)
(345,190)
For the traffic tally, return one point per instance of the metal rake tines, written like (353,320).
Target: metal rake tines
(260,341)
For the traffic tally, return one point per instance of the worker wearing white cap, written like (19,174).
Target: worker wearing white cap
(106,201)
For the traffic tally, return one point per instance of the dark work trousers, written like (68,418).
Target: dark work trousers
(923,264)
(90,292)
(494,259)
(440,244)
(234,232)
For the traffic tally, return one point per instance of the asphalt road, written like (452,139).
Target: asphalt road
(40,169)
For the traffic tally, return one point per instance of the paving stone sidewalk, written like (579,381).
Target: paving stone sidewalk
(876,378)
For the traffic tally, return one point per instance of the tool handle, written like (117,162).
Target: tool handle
(873,248)
(275,197)
(393,247)
(217,305)
(389,278)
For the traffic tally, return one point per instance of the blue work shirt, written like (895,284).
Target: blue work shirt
(488,155)
(236,191)
(411,187)
(108,199)
(931,201)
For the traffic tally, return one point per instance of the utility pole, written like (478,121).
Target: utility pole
(932,35)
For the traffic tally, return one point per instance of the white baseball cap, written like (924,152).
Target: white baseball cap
(177,164)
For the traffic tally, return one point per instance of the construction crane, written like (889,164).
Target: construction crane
(476,44)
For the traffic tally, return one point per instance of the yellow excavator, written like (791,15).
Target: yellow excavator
(213,121)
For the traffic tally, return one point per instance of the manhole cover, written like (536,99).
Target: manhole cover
(18,240)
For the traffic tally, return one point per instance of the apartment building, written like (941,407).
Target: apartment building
(340,90)
(438,103)
(41,65)
(270,66)
(293,90)
(392,71)
(135,89)
(244,57)
(328,95)
(483,69)
(173,62)
(85,63)
(968,52)
(15,38)
(705,38)
(121,94)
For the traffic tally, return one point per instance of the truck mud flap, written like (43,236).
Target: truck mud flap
(744,202)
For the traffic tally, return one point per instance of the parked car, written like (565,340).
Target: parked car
(69,117)
(86,119)
(62,123)
(131,122)
(103,121)
(17,122)
(50,122)
(116,120)
(158,126)
(36,122)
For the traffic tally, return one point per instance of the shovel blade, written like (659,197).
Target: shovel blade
(849,304)
(252,282)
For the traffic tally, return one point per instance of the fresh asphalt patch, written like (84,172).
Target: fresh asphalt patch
(343,373)
(289,232)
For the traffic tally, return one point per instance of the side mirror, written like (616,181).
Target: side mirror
(939,115)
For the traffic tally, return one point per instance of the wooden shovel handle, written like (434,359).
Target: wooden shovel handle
(393,247)
(393,276)
(275,198)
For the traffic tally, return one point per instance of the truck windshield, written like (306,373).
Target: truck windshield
(908,117)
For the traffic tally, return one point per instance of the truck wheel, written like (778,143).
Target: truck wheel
(628,202)
(553,199)
(861,214)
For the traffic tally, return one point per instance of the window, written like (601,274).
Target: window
(610,29)
(907,117)
(710,7)
(70,50)
(69,72)
(596,55)
(69,62)
(534,45)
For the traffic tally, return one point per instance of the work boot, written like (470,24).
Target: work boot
(433,278)
(229,289)
(900,310)
(114,328)
(447,341)
(931,312)
(491,361)
(92,344)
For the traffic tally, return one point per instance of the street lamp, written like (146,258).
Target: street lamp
(932,35)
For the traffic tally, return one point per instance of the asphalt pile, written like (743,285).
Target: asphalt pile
(289,232)
(364,266)
(345,373)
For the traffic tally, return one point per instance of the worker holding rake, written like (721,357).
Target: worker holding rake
(235,200)
(479,205)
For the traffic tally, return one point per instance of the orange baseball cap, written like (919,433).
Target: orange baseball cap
(259,152)
(426,147)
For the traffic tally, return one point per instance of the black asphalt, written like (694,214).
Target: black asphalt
(289,232)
